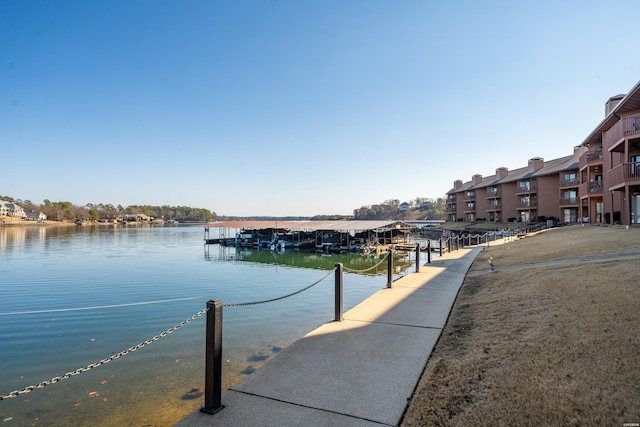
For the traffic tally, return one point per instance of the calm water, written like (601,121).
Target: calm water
(71,296)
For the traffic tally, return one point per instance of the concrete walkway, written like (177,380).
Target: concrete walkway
(359,372)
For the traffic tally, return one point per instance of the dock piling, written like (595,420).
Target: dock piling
(390,269)
(213,359)
(338,293)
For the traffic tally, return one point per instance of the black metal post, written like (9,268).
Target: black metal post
(449,245)
(429,251)
(213,359)
(417,257)
(390,269)
(338,293)
(440,244)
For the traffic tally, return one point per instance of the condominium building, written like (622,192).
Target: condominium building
(598,183)
(610,168)
(540,191)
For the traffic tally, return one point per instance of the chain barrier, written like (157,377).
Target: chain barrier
(282,297)
(68,375)
(351,270)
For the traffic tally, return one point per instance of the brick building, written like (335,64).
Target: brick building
(598,183)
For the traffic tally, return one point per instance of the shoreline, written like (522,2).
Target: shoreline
(28,222)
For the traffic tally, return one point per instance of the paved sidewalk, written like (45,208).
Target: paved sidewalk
(359,372)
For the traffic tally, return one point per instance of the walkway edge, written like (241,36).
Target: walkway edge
(323,379)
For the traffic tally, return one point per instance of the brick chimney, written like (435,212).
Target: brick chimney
(477,179)
(502,173)
(612,103)
(457,184)
(536,164)
(579,151)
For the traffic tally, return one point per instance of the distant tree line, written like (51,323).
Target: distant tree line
(419,208)
(67,211)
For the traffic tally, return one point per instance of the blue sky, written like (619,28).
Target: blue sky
(298,107)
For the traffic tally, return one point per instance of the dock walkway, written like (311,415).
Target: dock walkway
(358,372)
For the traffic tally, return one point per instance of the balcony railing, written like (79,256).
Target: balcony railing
(574,182)
(594,156)
(627,127)
(590,157)
(531,204)
(593,188)
(494,208)
(569,201)
(521,189)
(494,194)
(631,125)
(625,173)
(451,209)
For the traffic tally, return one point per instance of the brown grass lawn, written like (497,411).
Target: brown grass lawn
(552,337)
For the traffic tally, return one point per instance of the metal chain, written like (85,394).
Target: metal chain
(351,270)
(279,298)
(103,361)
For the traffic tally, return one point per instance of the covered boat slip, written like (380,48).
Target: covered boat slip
(322,236)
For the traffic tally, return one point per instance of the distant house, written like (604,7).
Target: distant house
(36,216)
(11,209)
(137,217)
(404,206)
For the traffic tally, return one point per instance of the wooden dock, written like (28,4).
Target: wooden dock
(326,236)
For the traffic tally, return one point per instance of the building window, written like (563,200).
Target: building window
(570,215)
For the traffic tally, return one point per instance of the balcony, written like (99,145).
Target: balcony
(494,194)
(569,201)
(494,208)
(451,209)
(590,158)
(592,188)
(526,189)
(531,204)
(627,127)
(564,183)
(626,173)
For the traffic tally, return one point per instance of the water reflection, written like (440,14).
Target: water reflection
(363,264)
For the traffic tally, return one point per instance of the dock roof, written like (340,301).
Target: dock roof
(339,225)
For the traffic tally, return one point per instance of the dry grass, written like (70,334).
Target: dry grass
(541,344)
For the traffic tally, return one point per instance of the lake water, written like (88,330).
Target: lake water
(72,296)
